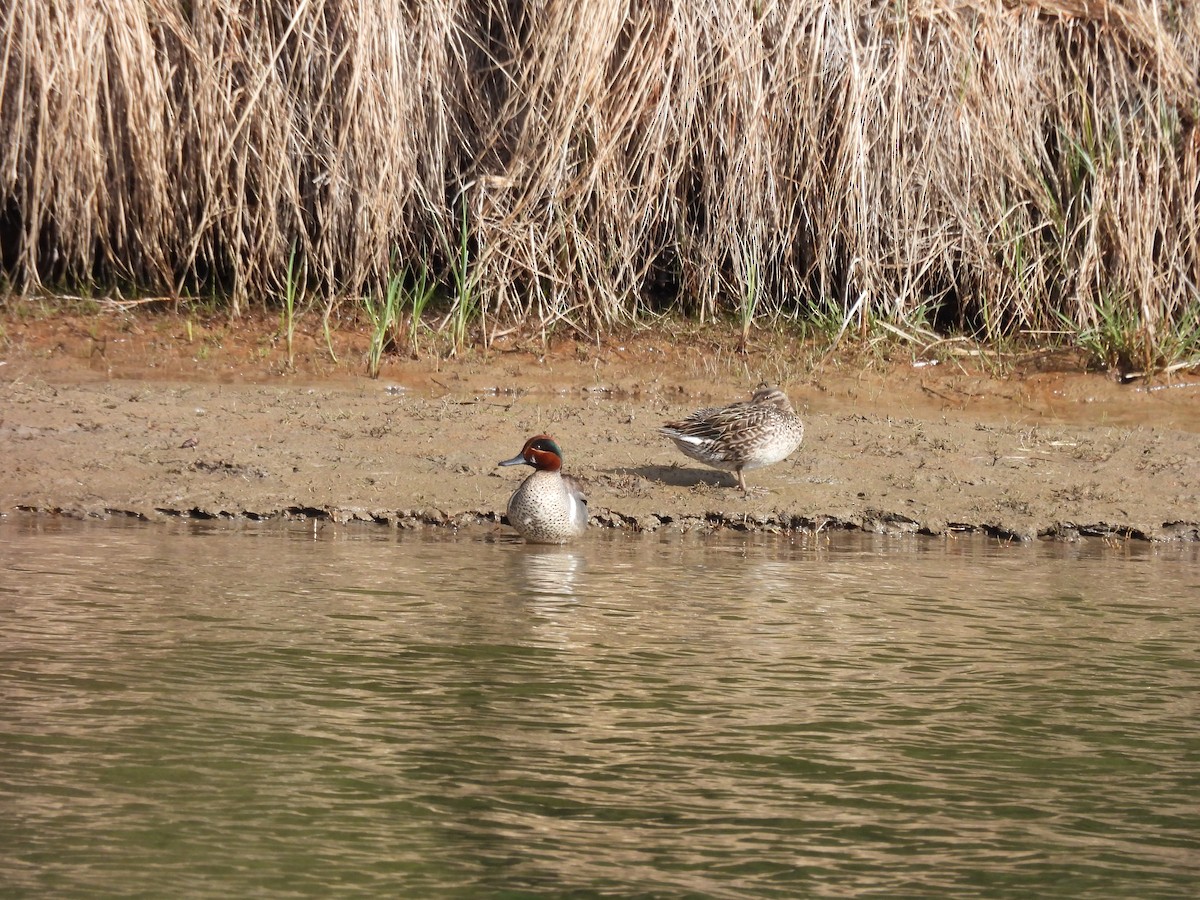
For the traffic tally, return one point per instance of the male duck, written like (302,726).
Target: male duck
(548,507)
(747,435)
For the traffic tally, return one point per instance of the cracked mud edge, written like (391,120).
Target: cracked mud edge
(873,522)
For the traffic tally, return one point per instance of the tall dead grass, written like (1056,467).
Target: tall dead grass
(992,166)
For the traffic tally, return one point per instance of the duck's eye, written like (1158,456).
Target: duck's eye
(546,446)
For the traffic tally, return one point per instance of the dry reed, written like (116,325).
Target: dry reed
(990,166)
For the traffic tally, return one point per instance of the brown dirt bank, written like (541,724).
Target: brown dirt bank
(155,416)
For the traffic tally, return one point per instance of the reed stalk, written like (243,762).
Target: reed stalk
(1007,167)
(291,290)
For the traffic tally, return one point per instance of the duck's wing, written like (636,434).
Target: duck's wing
(576,487)
(709,424)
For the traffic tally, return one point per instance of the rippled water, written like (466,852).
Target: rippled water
(205,711)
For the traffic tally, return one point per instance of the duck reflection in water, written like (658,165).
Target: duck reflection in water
(547,572)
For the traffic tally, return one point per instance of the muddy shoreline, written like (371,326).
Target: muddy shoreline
(116,415)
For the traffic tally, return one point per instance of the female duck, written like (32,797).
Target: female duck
(747,435)
(548,507)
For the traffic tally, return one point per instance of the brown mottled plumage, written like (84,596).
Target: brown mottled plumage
(748,435)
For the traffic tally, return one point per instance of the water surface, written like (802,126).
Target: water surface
(310,711)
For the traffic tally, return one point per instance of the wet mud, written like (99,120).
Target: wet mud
(154,418)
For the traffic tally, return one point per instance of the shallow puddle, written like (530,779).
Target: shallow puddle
(316,710)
